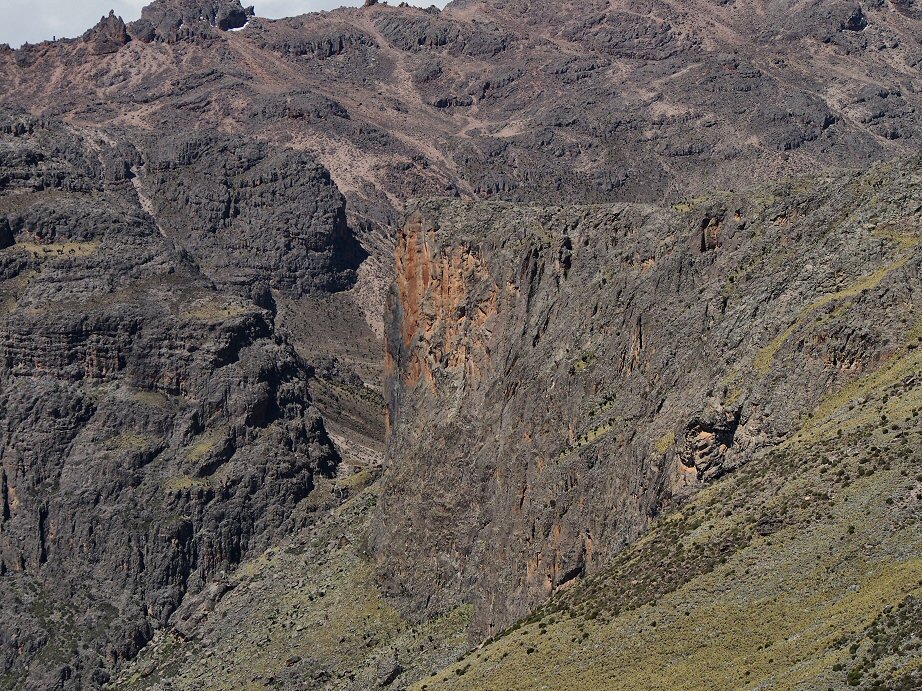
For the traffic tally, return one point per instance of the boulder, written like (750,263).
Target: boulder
(174,20)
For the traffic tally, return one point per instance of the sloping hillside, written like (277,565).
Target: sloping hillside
(801,570)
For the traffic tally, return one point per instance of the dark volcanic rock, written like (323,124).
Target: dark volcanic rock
(389,668)
(154,430)
(254,217)
(107,36)
(6,234)
(173,20)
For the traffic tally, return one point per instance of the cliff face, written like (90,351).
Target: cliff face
(254,219)
(189,215)
(800,569)
(557,376)
(155,429)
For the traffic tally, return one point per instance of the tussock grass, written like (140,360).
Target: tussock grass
(789,573)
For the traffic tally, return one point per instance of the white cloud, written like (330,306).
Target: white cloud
(39,20)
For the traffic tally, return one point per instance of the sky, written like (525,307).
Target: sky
(40,20)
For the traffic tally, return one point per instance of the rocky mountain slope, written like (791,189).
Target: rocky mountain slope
(781,477)
(575,370)
(155,427)
(628,101)
(200,219)
(800,570)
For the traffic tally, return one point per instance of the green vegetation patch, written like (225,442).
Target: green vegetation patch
(766,356)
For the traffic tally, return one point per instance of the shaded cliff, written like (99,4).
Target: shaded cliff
(255,220)
(155,430)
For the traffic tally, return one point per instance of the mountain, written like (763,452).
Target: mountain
(335,346)
(706,337)
(766,529)
(155,426)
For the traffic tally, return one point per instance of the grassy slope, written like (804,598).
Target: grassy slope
(801,570)
(306,614)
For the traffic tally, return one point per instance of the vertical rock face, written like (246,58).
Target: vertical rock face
(251,218)
(557,375)
(154,429)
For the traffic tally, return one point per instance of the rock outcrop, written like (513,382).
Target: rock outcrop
(174,20)
(108,35)
(155,429)
(558,376)
(254,220)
